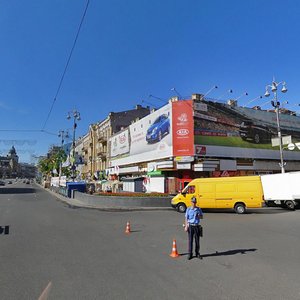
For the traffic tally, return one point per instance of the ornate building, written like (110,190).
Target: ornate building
(9,164)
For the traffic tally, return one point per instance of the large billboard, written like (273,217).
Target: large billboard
(149,138)
(232,131)
(183,128)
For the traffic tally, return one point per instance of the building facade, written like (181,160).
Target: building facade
(9,164)
(94,148)
(200,137)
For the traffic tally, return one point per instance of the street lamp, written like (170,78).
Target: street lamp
(76,117)
(229,91)
(276,104)
(174,89)
(240,96)
(62,134)
(209,91)
(252,100)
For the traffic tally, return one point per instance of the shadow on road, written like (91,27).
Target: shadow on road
(17,190)
(230,252)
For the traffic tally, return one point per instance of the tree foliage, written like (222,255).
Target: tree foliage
(49,166)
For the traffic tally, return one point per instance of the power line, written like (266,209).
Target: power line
(28,130)
(21,130)
(67,64)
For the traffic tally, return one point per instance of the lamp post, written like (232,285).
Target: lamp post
(276,104)
(210,90)
(174,90)
(62,134)
(252,100)
(76,117)
(229,91)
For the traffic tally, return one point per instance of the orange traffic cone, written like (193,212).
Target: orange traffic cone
(174,252)
(127,228)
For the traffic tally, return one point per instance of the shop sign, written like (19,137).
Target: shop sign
(154,173)
(183,166)
(184,158)
(200,150)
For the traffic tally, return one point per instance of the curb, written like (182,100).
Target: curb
(73,203)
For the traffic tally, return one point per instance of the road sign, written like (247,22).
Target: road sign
(285,140)
(291,146)
(297,145)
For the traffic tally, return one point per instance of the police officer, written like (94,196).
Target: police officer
(193,215)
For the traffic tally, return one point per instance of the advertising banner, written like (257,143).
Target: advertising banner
(120,143)
(149,138)
(183,128)
(226,130)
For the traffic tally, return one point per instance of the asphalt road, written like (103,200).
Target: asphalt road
(85,253)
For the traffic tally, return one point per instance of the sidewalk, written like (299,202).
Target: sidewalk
(74,203)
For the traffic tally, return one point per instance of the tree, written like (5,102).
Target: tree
(48,165)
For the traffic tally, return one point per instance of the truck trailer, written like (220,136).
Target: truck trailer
(282,189)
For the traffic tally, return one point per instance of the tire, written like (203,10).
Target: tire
(290,204)
(159,135)
(257,138)
(181,207)
(240,208)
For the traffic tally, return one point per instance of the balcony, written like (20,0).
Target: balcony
(101,153)
(102,138)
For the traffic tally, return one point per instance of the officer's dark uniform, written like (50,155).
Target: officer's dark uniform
(192,218)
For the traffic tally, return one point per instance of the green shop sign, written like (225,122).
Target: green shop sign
(154,173)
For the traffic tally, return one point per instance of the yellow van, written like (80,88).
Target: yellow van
(222,192)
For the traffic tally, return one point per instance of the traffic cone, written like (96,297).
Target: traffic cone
(174,252)
(127,228)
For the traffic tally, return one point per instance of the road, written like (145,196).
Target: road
(85,253)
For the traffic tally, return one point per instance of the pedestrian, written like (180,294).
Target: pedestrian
(193,215)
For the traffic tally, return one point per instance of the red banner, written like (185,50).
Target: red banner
(183,128)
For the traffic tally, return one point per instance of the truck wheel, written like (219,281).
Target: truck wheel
(181,207)
(240,208)
(290,204)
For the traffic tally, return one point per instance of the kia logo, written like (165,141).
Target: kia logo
(182,131)
(122,139)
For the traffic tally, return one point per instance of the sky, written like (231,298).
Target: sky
(128,50)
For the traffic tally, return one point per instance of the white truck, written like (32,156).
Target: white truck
(282,189)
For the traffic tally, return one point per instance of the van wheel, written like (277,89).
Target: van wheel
(240,208)
(290,204)
(181,207)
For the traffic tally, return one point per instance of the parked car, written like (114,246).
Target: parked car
(158,129)
(2,182)
(9,182)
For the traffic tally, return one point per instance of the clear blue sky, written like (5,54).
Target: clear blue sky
(129,49)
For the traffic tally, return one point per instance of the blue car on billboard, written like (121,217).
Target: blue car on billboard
(158,129)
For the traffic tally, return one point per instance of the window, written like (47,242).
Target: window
(189,189)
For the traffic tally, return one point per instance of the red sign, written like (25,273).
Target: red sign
(183,128)
(200,150)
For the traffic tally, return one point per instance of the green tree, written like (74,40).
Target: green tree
(47,165)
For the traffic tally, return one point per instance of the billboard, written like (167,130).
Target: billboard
(232,131)
(120,143)
(183,128)
(148,139)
